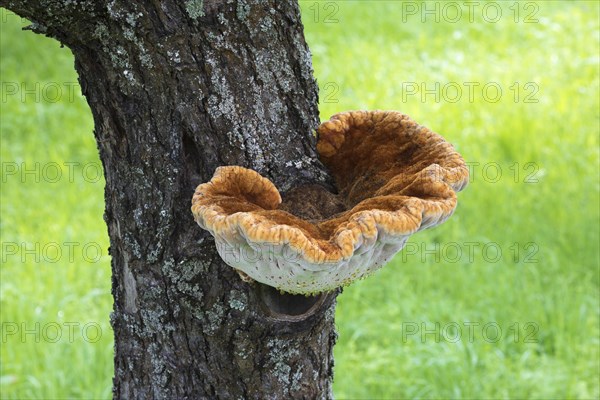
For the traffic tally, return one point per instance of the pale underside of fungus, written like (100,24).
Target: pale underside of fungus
(393,178)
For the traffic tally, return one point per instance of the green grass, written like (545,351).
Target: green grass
(61,284)
(538,221)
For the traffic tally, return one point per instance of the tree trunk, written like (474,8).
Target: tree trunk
(178,88)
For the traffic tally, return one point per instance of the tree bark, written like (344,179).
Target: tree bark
(176,89)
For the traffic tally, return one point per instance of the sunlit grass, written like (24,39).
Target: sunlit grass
(55,277)
(520,253)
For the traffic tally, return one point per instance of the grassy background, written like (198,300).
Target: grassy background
(521,252)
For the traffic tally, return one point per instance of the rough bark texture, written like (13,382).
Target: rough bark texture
(176,89)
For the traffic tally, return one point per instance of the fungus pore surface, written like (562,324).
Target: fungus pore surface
(393,176)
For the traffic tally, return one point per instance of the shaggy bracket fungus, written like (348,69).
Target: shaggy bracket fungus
(393,176)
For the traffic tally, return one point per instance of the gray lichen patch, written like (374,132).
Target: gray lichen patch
(271,63)
(266,24)
(214,316)
(159,376)
(146,60)
(174,56)
(194,8)
(101,32)
(237,300)
(282,372)
(155,320)
(280,354)
(132,245)
(183,276)
(119,57)
(127,53)
(132,324)
(296,380)
(222,19)
(242,11)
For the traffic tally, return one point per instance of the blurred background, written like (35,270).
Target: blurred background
(502,301)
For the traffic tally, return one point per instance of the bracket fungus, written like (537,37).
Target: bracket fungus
(394,177)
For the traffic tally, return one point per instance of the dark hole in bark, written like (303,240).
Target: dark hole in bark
(193,161)
(286,306)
